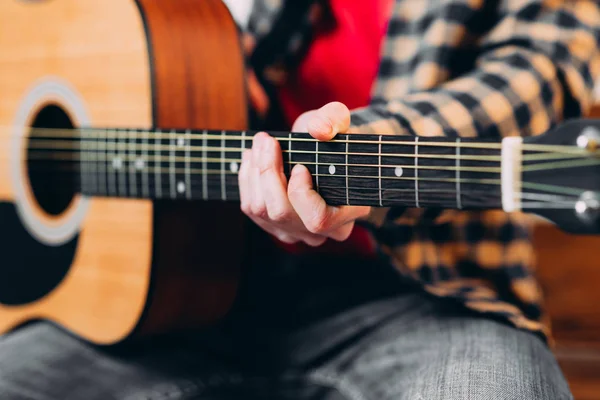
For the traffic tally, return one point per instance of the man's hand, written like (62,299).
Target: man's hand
(293,211)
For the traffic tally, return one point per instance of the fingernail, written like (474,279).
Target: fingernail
(297,169)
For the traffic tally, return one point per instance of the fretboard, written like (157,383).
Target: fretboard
(349,170)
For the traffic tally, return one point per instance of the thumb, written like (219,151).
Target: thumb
(324,123)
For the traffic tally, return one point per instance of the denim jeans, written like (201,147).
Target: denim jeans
(310,328)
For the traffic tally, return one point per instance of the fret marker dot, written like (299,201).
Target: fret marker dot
(117,163)
(398,171)
(180,187)
(332,169)
(180,142)
(233,167)
(139,164)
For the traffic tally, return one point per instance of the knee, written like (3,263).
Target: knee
(474,360)
(505,363)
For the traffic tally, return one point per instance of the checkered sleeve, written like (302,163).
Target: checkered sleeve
(484,68)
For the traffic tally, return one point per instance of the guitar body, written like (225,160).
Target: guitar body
(106,268)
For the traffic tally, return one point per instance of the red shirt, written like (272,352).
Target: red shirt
(340,65)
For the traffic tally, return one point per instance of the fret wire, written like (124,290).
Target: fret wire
(157,169)
(114,161)
(204,185)
(417,172)
(90,168)
(223,191)
(84,165)
(347,190)
(145,184)
(458,196)
(380,192)
(317,164)
(172,167)
(122,146)
(132,171)
(290,153)
(111,178)
(93,166)
(187,164)
(242,151)
(102,183)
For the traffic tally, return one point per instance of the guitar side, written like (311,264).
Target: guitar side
(111,268)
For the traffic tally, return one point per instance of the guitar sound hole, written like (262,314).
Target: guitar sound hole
(51,160)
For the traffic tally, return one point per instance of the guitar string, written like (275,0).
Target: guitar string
(199,171)
(126,135)
(493,182)
(216,174)
(79,156)
(487,158)
(549,201)
(230,135)
(497,182)
(554,199)
(76,147)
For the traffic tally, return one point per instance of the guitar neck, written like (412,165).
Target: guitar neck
(349,170)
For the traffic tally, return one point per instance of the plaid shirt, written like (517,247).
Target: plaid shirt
(485,68)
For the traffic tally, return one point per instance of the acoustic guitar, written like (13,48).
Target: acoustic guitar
(121,130)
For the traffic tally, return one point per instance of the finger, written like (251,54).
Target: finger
(258,209)
(343,232)
(301,123)
(328,121)
(267,156)
(317,216)
(287,237)
(244,182)
(314,240)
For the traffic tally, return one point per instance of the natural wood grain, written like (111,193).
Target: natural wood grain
(581,365)
(569,272)
(99,48)
(199,83)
